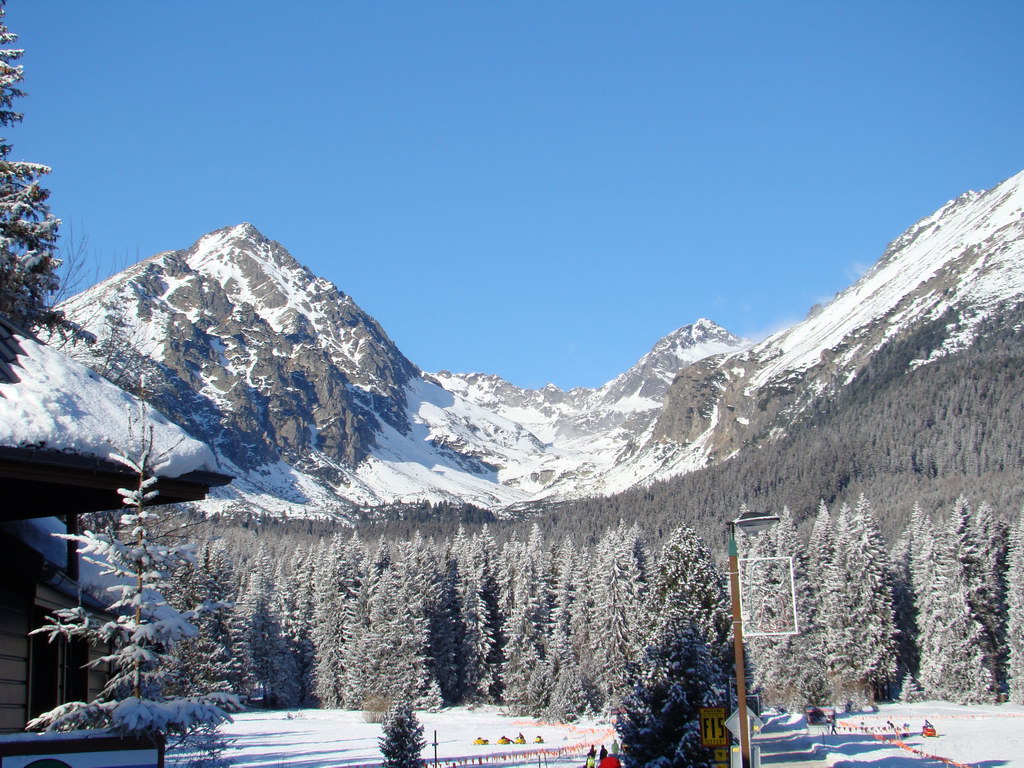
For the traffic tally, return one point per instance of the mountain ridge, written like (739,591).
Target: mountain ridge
(305,395)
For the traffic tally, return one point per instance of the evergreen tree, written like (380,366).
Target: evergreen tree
(205,661)
(145,631)
(272,668)
(660,724)
(618,589)
(789,669)
(687,588)
(297,607)
(402,741)
(956,650)
(28,233)
(1015,613)
(525,629)
(858,612)
(338,582)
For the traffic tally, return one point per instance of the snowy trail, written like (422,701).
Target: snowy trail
(327,738)
(978,737)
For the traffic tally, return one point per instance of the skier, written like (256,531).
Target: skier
(602,755)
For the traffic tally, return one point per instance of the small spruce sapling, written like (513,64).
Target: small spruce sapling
(402,742)
(145,629)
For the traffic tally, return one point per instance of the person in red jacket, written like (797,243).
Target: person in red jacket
(611,761)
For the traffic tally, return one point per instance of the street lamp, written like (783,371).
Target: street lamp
(751,523)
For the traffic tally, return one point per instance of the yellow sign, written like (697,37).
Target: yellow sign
(712,727)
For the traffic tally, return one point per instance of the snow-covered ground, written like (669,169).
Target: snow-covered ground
(318,738)
(977,736)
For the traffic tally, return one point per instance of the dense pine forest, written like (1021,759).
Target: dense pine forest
(557,627)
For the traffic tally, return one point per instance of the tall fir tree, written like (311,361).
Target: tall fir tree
(687,588)
(660,723)
(858,612)
(618,590)
(28,232)
(955,649)
(1015,613)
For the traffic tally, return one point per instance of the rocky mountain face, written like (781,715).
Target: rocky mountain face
(308,402)
(305,398)
(965,261)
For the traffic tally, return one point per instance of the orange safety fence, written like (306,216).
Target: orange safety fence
(889,737)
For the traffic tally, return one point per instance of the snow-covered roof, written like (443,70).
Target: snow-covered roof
(50,402)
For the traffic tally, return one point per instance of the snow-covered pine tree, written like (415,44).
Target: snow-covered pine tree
(445,630)
(526,627)
(660,724)
(339,577)
(402,742)
(205,661)
(146,629)
(271,665)
(480,617)
(904,612)
(28,232)
(687,588)
(387,658)
(955,646)
(1015,612)
(858,613)
(922,537)
(297,605)
(789,669)
(988,598)
(618,585)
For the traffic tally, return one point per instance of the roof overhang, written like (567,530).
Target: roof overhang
(39,483)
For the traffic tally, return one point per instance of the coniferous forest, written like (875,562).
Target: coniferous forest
(560,628)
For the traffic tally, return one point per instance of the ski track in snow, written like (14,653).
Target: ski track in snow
(982,736)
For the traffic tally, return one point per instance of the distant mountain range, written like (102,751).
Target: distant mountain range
(305,398)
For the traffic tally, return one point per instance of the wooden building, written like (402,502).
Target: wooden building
(43,490)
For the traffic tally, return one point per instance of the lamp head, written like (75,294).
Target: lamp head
(752,523)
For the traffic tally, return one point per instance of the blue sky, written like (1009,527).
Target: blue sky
(535,189)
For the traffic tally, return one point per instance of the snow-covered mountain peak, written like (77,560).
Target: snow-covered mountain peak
(643,386)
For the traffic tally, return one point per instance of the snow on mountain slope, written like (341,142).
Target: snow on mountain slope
(309,403)
(966,259)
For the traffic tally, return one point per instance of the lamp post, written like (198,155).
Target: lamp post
(751,523)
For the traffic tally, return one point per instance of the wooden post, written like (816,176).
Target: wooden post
(737,644)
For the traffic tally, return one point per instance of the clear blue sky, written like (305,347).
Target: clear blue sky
(535,189)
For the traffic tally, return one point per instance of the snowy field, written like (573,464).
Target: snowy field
(319,738)
(979,736)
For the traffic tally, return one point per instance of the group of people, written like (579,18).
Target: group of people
(604,758)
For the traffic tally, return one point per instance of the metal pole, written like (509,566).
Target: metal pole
(435,749)
(737,644)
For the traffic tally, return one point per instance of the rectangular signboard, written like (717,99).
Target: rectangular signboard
(712,727)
